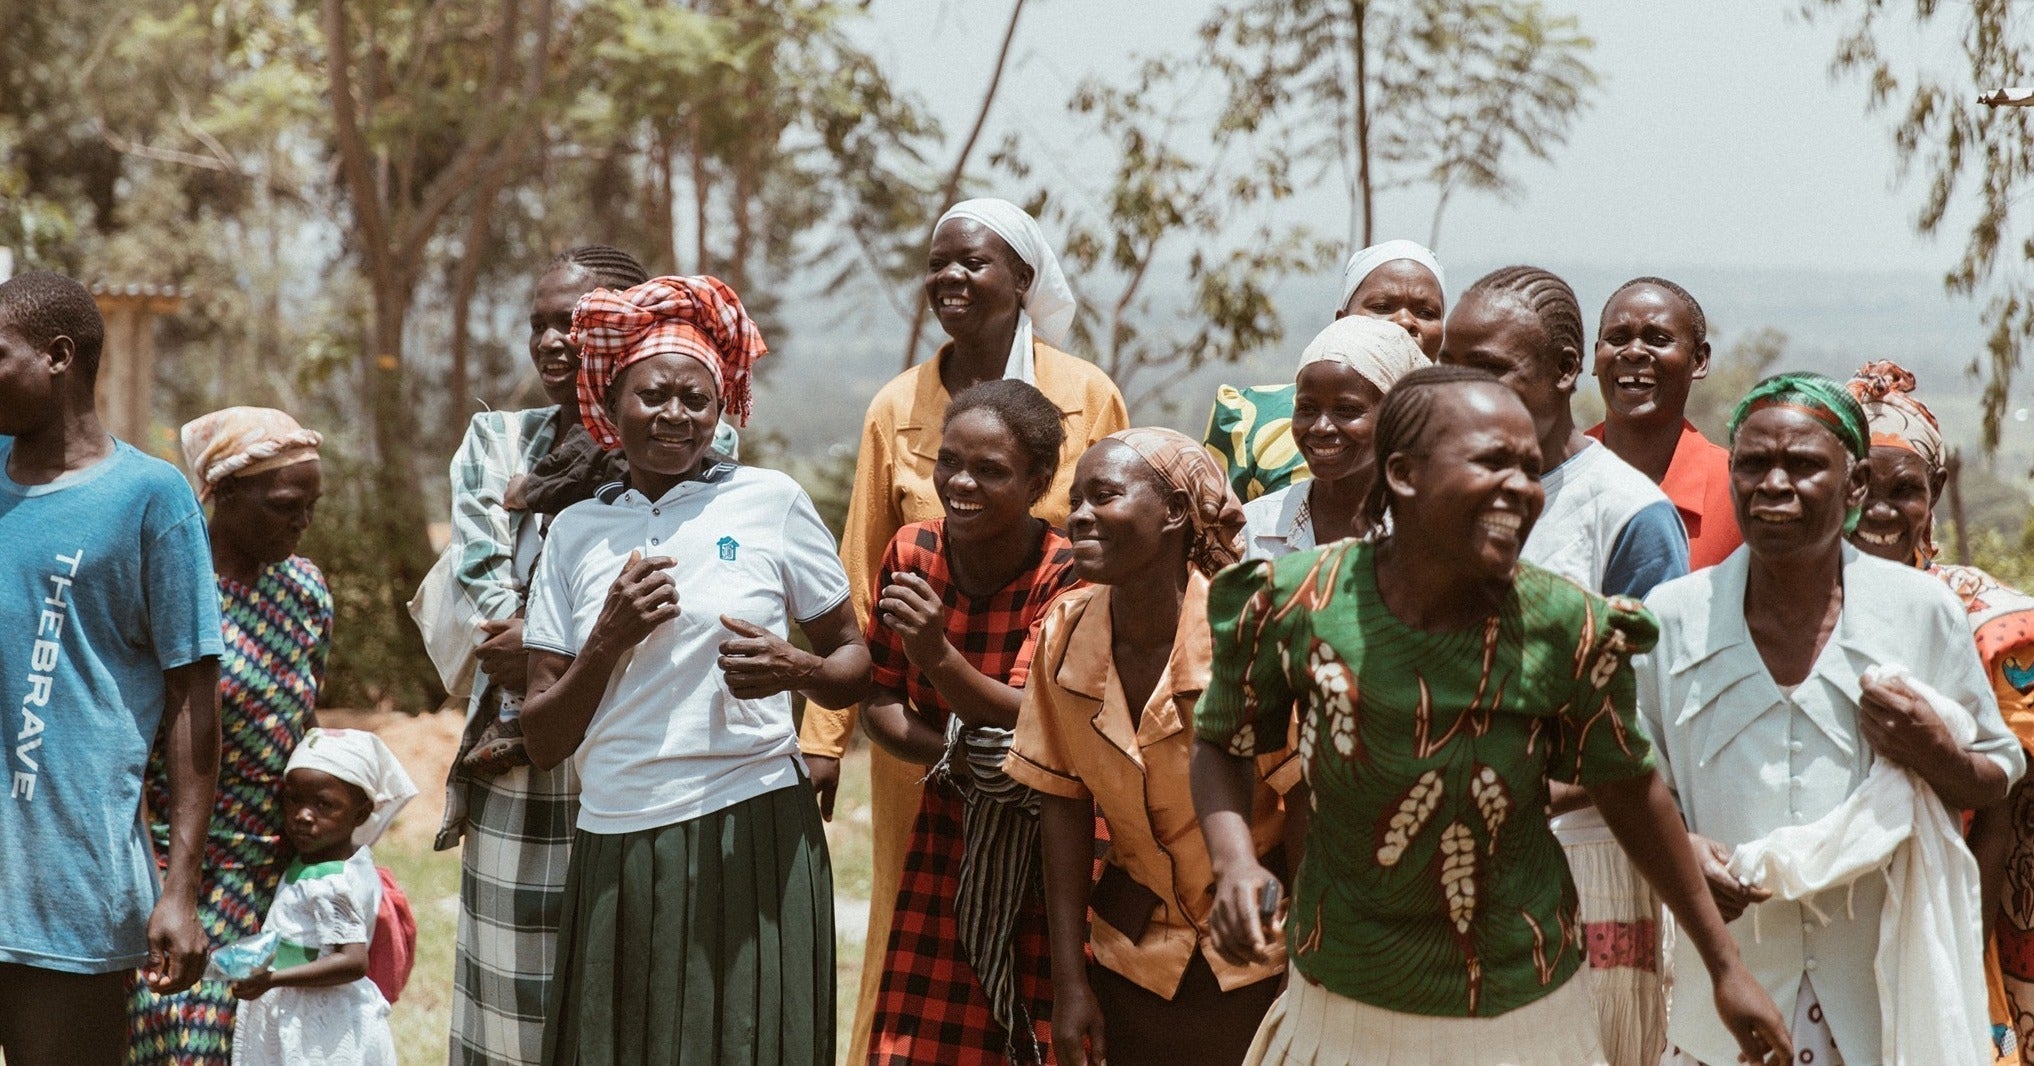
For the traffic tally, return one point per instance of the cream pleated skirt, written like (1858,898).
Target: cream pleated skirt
(1311,1026)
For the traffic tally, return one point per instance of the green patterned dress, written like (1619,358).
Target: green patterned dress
(277,636)
(1431,882)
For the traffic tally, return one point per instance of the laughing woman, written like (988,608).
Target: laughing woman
(698,921)
(967,976)
(999,293)
(1439,685)
(1105,724)
(1897,524)
(1343,376)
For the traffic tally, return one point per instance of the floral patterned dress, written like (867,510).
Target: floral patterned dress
(278,634)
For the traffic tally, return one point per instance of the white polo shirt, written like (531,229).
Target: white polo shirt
(669,742)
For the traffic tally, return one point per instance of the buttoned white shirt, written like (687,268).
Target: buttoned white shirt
(1744,758)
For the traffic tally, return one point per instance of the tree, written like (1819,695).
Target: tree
(1164,204)
(1970,154)
(1396,92)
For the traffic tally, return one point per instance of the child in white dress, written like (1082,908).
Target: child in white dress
(315,1004)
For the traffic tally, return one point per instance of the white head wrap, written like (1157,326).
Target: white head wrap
(358,757)
(1381,351)
(1369,259)
(1049,303)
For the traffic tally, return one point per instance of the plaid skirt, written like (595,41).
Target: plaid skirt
(931,1007)
(518,841)
(709,941)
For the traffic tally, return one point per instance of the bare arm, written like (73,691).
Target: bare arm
(190,739)
(1899,725)
(890,723)
(343,965)
(909,606)
(1222,787)
(1066,829)
(565,690)
(1641,814)
(835,673)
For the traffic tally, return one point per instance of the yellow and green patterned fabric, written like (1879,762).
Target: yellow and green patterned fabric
(1250,434)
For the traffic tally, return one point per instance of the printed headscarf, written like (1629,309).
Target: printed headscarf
(240,441)
(698,317)
(1049,303)
(1381,351)
(1366,260)
(1184,465)
(358,758)
(1885,390)
(1820,398)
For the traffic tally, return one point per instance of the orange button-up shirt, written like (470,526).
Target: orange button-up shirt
(1698,481)
(1075,739)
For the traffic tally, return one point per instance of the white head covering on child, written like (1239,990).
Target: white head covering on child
(359,758)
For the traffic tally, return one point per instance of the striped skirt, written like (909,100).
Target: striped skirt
(707,941)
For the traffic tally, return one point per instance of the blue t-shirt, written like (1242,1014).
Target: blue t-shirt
(105,583)
(1650,549)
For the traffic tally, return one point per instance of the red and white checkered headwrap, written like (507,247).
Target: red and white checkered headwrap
(696,316)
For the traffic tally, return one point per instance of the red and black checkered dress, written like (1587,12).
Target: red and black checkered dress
(931,1008)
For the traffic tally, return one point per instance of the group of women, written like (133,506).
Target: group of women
(1164,774)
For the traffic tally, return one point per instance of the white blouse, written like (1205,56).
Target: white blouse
(1744,757)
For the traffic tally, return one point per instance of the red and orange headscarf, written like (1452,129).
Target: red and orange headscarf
(1885,390)
(698,317)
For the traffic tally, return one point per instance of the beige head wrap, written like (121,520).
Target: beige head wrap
(240,441)
(1183,464)
(1380,350)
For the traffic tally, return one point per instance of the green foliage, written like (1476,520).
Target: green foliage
(1399,92)
(1971,155)
(1167,202)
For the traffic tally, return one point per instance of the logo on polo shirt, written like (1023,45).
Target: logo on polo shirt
(728,546)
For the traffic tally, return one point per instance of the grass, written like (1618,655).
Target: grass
(422,1020)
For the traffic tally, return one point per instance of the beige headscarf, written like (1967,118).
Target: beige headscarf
(1380,350)
(1184,465)
(239,441)
(1885,390)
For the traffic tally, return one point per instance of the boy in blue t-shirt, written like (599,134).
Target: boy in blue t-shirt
(109,642)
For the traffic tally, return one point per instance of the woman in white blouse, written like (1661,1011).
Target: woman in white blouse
(1762,719)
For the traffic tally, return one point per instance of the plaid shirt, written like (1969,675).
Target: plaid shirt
(498,446)
(993,632)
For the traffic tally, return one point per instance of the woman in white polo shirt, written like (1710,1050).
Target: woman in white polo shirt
(698,922)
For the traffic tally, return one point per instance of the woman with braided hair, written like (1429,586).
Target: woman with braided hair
(1767,717)
(1608,528)
(1440,684)
(516,821)
(698,917)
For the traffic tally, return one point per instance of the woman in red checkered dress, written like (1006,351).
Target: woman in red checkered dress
(966,976)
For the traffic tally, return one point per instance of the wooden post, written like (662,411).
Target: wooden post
(127,363)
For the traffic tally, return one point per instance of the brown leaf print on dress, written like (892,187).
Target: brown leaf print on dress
(1458,887)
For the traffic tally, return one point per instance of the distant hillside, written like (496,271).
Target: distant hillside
(838,351)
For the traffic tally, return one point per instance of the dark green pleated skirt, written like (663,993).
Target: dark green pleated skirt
(705,943)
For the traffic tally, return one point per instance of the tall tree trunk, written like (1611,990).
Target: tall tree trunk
(700,189)
(465,279)
(960,167)
(1358,10)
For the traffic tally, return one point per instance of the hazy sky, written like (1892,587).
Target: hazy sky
(1717,138)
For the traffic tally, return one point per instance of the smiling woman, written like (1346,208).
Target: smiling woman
(1439,684)
(660,666)
(1000,295)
